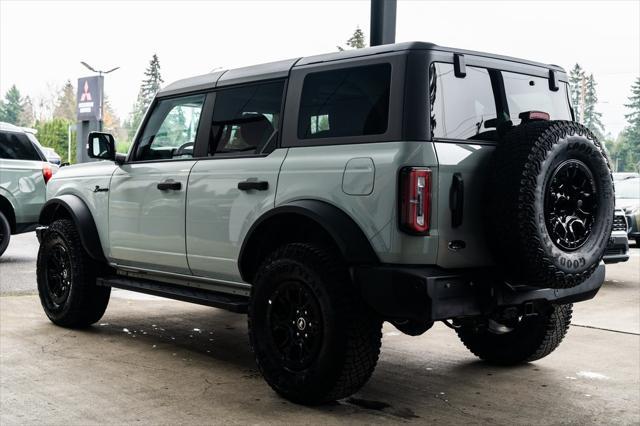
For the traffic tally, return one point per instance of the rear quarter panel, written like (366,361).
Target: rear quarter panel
(319,173)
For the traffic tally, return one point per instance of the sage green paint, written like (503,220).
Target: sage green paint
(80,180)
(359,175)
(317,173)
(199,229)
(147,225)
(219,215)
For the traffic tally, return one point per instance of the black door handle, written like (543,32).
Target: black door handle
(169,185)
(259,185)
(456,200)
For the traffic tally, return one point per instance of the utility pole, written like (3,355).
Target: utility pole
(383,22)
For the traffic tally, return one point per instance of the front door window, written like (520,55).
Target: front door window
(171,130)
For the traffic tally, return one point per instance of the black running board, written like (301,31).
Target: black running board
(230,302)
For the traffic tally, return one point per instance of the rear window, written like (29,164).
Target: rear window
(16,146)
(466,108)
(461,107)
(345,102)
(527,93)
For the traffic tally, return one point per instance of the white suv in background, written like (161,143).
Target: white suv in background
(24,173)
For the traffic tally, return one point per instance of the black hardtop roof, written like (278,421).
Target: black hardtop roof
(281,69)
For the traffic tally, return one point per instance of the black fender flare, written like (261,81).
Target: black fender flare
(350,240)
(81,216)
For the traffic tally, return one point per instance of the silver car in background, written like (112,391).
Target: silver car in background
(628,199)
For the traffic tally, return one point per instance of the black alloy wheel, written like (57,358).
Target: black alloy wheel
(67,278)
(314,339)
(295,323)
(570,204)
(58,275)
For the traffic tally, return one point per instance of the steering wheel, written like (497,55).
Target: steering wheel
(182,148)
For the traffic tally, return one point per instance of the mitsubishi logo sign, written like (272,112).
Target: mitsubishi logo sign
(89,99)
(86,95)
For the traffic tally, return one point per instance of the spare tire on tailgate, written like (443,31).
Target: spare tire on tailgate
(551,204)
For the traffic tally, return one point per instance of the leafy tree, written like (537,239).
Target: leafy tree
(111,123)
(27,115)
(591,118)
(576,78)
(356,41)
(66,103)
(54,134)
(11,107)
(148,89)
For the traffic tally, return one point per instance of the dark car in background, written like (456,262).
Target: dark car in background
(628,199)
(618,247)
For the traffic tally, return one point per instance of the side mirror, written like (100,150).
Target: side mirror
(101,146)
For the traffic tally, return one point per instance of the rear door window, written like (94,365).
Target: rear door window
(17,146)
(462,108)
(246,119)
(345,102)
(528,93)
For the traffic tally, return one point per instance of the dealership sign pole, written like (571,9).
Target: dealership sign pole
(90,103)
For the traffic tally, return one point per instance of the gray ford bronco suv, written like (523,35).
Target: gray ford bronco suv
(408,183)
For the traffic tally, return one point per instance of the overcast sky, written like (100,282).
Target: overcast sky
(42,43)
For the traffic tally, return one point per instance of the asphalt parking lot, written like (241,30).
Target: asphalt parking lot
(151,360)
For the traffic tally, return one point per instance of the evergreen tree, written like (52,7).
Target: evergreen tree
(576,80)
(633,131)
(356,41)
(591,118)
(11,107)
(66,103)
(148,89)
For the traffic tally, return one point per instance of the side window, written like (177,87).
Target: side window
(462,108)
(528,93)
(16,146)
(171,130)
(345,102)
(246,119)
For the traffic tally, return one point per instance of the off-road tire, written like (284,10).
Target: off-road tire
(524,164)
(534,338)
(85,302)
(5,233)
(351,333)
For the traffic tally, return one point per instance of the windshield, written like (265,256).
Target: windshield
(629,188)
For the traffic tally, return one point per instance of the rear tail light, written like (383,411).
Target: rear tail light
(415,200)
(47,172)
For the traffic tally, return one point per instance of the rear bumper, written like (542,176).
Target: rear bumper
(433,294)
(617,249)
